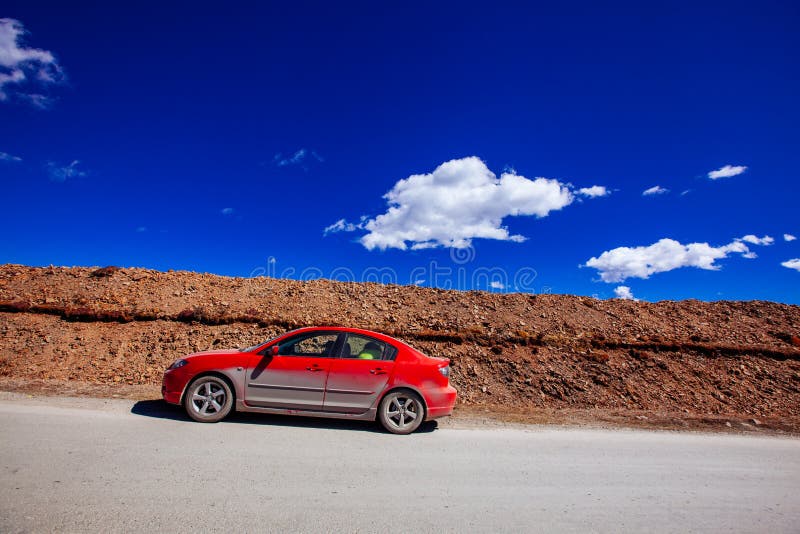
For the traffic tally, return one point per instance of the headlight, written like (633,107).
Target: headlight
(177,364)
(445,371)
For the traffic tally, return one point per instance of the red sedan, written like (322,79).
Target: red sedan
(321,372)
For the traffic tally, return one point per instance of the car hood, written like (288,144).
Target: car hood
(219,352)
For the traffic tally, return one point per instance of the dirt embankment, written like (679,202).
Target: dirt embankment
(521,354)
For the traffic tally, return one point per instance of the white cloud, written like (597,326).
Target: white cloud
(227,211)
(685,192)
(8,157)
(37,100)
(301,158)
(343,226)
(494,284)
(727,171)
(792,264)
(24,68)
(594,191)
(788,237)
(754,240)
(62,173)
(655,190)
(622,263)
(624,292)
(459,201)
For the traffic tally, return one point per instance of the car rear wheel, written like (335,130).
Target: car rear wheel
(208,399)
(401,412)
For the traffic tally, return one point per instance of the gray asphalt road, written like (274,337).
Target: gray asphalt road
(92,465)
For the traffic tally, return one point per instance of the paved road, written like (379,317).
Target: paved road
(92,465)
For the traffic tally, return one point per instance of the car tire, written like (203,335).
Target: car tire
(208,399)
(401,412)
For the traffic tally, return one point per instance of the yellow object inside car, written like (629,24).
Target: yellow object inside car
(369,354)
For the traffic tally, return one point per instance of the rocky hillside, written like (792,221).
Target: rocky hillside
(519,351)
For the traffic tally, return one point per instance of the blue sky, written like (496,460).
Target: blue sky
(178,136)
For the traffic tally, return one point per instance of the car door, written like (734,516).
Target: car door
(359,374)
(294,378)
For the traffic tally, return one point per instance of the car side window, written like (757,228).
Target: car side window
(366,348)
(314,345)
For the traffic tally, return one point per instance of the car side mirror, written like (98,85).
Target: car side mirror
(272,351)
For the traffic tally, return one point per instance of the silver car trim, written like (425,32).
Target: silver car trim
(349,391)
(293,388)
(369,415)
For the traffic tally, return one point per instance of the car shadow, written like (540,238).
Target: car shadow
(159,409)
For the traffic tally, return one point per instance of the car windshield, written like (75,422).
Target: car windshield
(257,345)
(254,347)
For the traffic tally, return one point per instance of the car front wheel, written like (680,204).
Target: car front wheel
(401,412)
(208,399)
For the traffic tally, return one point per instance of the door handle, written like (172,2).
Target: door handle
(377,371)
(315,368)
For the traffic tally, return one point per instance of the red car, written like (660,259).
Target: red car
(321,372)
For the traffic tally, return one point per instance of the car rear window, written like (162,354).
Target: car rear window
(361,347)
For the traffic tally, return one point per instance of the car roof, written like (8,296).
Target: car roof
(351,330)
